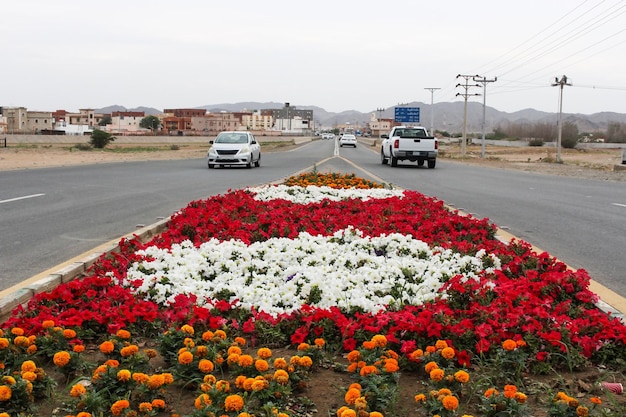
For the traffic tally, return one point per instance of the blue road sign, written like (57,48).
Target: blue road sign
(407,114)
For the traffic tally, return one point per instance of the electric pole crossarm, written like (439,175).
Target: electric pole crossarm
(484,82)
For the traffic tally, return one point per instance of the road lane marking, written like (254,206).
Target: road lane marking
(618,204)
(21,198)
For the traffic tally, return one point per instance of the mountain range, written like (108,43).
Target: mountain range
(447,116)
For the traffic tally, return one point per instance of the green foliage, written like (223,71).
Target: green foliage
(536,142)
(106,120)
(150,122)
(569,135)
(100,138)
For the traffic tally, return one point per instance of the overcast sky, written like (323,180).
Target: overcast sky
(338,55)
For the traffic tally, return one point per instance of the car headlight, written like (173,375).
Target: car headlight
(245,149)
(211,151)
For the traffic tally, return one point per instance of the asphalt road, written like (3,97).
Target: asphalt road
(48,216)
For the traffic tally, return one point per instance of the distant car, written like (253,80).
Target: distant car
(347,140)
(328,136)
(234,148)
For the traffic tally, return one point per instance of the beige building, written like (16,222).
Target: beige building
(257,120)
(213,123)
(17,119)
(38,121)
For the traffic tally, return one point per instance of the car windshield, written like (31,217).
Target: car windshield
(232,138)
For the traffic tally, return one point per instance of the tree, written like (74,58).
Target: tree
(150,122)
(100,138)
(106,120)
(569,135)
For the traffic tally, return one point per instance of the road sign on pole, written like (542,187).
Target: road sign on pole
(407,114)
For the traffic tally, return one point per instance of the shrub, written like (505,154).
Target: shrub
(100,138)
(535,142)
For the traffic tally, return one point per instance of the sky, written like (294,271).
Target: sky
(338,55)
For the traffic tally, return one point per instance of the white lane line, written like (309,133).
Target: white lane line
(21,198)
(618,204)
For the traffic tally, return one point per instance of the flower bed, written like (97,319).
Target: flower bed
(328,264)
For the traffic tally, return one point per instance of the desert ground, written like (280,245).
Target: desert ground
(597,164)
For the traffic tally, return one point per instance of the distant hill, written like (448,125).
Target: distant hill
(448,116)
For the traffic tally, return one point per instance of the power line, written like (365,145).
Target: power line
(484,81)
(466,86)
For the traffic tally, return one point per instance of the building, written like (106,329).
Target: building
(380,126)
(213,123)
(258,120)
(292,120)
(127,123)
(16,119)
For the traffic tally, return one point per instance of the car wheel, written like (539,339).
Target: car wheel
(420,162)
(258,162)
(432,163)
(394,161)
(383,159)
(211,166)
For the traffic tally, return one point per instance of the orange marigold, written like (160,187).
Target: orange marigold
(185,358)
(240,341)
(5,393)
(461,376)
(123,375)
(354,356)
(306,361)
(167,378)
(319,342)
(77,390)
(450,402)
(234,350)
(281,376)
(129,350)
(187,329)
(369,345)
(379,340)
(29,376)
(352,367)
(430,366)
(368,370)
(4,343)
(582,411)
(31,349)
(245,361)
(155,381)
(46,324)
(241,378)
(158,403)
(69,334)
(107,347)
(303,346)
(140,377)
(206,366)
(264,353)
(222,385)
(375,414)
(17,331)
(22,341)
(420,398)
(61,358)
(208,335)
(351,395)
(211,379)
(520,397)
(119,406)
(202,400)
(509,344)
(261,365)
(595,400)
(437,374)
(78,348)
(233,403)
(145,407)
(221,334)
(441,344)
(28,366)
(447,353)
(151,353)
(280,363)
(391,366)
(416,355)
(123,334)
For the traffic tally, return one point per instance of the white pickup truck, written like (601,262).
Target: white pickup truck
(409,142)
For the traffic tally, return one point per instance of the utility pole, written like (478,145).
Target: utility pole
(432,109)
(561,83)
(484,82)
(465,95)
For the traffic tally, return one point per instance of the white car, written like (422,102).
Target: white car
(347,140)
(234,148)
